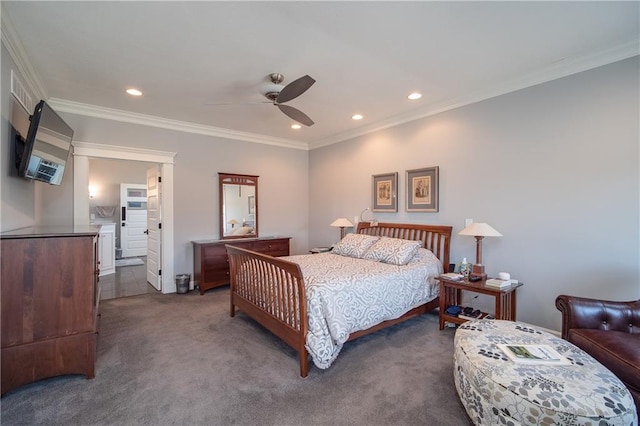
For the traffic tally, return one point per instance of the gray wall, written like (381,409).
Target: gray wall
(18,195)
(54,203)
(554,168)
(283,183)
(27,203)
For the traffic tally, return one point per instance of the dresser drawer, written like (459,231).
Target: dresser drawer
(211,263)
(272,248)
(216,275)
(214,250)
(220,258)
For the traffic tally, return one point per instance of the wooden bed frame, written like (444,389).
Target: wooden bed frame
(271,290)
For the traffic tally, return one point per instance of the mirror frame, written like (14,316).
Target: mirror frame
(236,179)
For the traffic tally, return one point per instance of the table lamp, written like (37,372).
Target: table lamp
(479,231)
(342,223)
(233,222)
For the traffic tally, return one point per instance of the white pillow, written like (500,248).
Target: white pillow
(354,245)
(392,250)
(423,255)
(243,230)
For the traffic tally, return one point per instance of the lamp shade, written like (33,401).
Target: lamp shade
(233,222)
(478,229)
(341,222)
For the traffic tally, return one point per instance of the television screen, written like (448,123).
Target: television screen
(47,146)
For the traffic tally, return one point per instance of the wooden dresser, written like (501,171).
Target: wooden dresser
(211,264)
(50,298)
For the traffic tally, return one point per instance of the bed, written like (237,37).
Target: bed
(303,299)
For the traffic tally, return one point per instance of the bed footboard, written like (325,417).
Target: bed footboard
(271,291)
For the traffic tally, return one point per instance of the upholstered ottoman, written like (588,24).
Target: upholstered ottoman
(498,391)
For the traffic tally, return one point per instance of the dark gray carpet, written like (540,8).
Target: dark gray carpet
(180,359)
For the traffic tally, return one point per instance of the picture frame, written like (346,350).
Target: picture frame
(422,189)
(252,204)
(384,192)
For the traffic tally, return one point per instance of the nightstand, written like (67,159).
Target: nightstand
(451,294)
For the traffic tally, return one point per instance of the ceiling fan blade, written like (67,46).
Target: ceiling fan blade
(236,103)
(295,89)
(296,114)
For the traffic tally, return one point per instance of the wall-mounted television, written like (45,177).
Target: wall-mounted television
(46,147)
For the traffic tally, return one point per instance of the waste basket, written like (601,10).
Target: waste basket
(182,283)
(118,253)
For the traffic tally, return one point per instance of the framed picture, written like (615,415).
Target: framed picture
(422,190)
(385,190)
(252,204)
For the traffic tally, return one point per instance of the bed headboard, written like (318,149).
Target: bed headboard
(436,238)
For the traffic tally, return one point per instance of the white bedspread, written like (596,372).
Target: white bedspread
(346,294)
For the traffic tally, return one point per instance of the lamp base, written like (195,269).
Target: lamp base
(477,271)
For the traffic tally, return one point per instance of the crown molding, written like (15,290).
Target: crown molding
(88,149)
(73,107)
(15,48)
(559,69)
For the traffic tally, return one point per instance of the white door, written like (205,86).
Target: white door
(154,228)
(133,219)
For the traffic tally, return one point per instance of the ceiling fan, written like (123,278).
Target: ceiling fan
(278,94)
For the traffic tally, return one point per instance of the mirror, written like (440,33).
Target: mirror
(238,205)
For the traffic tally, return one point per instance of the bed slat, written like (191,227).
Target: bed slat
(270,290)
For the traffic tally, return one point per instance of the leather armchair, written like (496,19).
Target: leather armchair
(608,331)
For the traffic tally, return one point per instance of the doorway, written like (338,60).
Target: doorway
(83,151)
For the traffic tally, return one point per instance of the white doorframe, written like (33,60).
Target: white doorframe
(82,151)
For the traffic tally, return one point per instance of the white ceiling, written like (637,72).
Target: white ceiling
(366,57)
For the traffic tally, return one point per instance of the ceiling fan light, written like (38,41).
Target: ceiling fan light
(414,96)
(357,117)
(134,92)
(296,126)
(271,89)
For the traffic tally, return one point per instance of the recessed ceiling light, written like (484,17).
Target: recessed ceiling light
(414,96)
(296,126)
(134,92)
(357,117)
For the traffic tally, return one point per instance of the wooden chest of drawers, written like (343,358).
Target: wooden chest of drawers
(50,296)
(211,264)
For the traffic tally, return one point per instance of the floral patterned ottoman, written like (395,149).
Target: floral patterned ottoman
(498,391)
